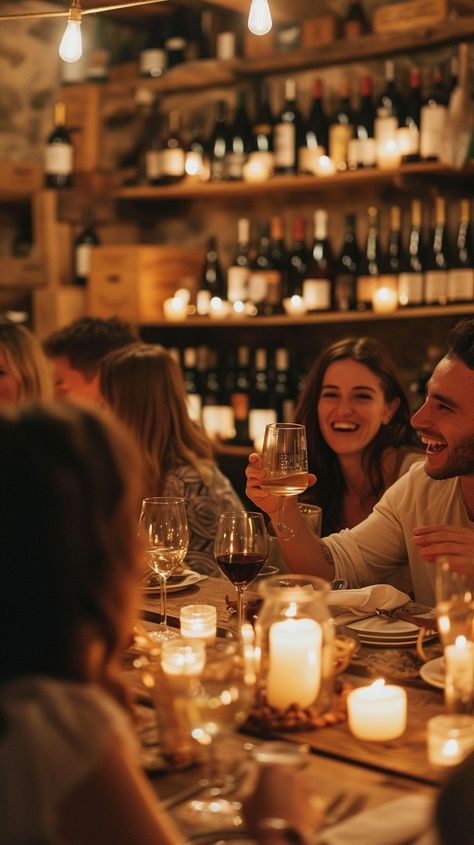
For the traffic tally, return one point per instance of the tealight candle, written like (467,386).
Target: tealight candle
(294,672)
(309,157)
(175,309)
(378,712)
(450,739)
(194,164)
(325,166)
(459,662)
(256,169)
(218,421)
(384,300)
(198,621)
(182,660)
(219,308)
(294,305)
(388,154)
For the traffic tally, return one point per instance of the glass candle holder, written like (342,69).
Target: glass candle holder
(198,621)
(294,637)
(459,676)
(450,739)
(182,660)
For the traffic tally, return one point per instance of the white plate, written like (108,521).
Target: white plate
(433,672)
(189,577)
(384,628)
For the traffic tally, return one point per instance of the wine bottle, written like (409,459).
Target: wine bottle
(152,58)
(345,294)
(341,128)
(461,272)
(354,23)
(370,263)
(297,259)
(191,383)
(98,60)
(288,132)
(390,265)
(265,277)
(282,386)
(239,140)
(218,143)
(388,108)
(153,146)
(175,41)
(411,118)
(279,257)
(262,130)
(411,280)
(260,387)
(196,160)
(364,125)
(212,279)
(316,129)
(318,286)
(433,119)
(211,387)
(172,154)
(437,263)
(239,271)
(83,244)
(59,155)
(22,243)
(240,396)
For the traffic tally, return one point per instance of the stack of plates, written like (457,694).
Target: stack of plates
(377,630)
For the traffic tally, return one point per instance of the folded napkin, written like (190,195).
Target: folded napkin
(364,602)
(404,820)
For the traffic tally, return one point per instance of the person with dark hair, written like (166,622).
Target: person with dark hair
(77,350)
(427,513)
(358,430)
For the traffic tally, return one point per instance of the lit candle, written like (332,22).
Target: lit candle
(325,166)
(388,154)
(259,418)
(219,308)
(384,300)
(294,305)
(182,660)
(218,422)
(175,309)
(459,662)
(198,621)
(377,712)
(450,739)
(309,157)
(294,673)
(194,164)
(258,168)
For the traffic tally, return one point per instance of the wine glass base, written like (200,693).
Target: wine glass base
(164,633)
(211,812)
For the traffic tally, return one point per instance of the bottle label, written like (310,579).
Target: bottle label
(367,152)
(152,165)
(461,284)
(365,288)
(436,287)
(257,286)
(284,141)
(59,159)
(317,294)
(217,169)
(344,293)
(83,260)
(172,162)
(152,62)
(339,137)
(273,278)
(237,283)
(410,288)
(234,165)
(432,122)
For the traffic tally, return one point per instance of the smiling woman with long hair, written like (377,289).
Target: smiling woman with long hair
(144,388)
(24,370)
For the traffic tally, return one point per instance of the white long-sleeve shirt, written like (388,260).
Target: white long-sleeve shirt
(373,550)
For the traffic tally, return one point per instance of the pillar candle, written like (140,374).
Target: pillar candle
(294,674)
(377,712)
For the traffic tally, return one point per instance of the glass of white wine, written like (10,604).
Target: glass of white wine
(164,529)
(285,463)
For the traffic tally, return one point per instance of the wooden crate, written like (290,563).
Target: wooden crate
(319,31)
(20,178)
(410,14)
(132,282)
(22,272)
(55,308)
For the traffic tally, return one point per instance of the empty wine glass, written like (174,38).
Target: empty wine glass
(285,463)
(164,529)
(241,550)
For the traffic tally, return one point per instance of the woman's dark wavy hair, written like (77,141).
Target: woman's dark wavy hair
(67,534)
(330,487)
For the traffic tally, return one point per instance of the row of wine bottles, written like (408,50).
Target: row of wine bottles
(431,271)
(235,394)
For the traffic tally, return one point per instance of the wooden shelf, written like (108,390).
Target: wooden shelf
(293,184)
(312,319)
(214,73)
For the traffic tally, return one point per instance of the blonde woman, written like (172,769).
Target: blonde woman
(143,386)
(24,370)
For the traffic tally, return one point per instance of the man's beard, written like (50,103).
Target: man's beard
(461,462)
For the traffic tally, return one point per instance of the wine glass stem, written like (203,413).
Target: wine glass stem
(281,525)
(240,608)
(164,615)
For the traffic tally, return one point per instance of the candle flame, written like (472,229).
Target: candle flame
(451,748)
(461,642)
(377,685)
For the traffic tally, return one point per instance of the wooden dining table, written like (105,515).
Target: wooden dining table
(379,770)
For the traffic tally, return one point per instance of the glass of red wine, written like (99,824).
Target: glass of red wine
(241,550)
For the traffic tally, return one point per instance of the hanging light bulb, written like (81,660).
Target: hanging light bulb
(70,48)
(260,17)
